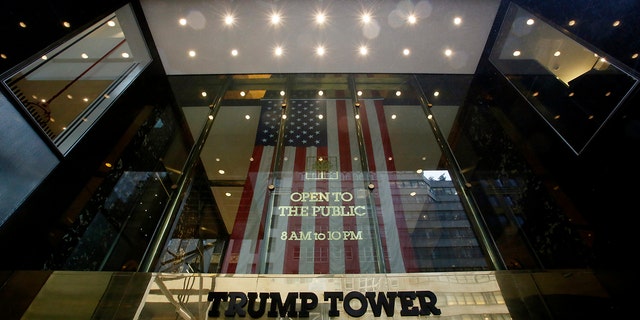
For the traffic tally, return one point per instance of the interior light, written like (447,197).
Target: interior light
(229,19)
(448,52)
(398,93)
(44,57)
(530,22)
(275,18)
(234,52)
(616,23)
(359,93)
(112,24)
(634,56)
(320,18)
(517,53)
(366,18)
(363,50)
(182,22)
(221,171)
(572,23)
(457,21)
(406,51)
(393,116)
(84,56)
(320,116)
(412,193)
(320,93)
(282,93)
(556,54)
(204,93)
(192,53)
(320,50)
(247,117)
(22,24)
(242,93)
(436,93)
(412,19)
(228,194)
(210,117)
(66,24)
(125,55)
(357,116)
(278,51)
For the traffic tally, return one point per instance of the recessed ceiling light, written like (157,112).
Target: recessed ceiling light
(359,93)
(221,171)
(530,22)
(406,51)
(282,93)
(517,53)
(203,93)
(84,56)
(234,52)
(556,54)
(320,93)
(242,93)
(412,19)
(448,52)
(457,21)
(182,21)
(398,93)
(616,23)
(275,18)
(363,50)
(320,50)
(436,93)
(247,117)
(66,24)
(111,23)
(278,51)
(572,23)
(321,18)
(192,53)
(229,19)
(366,18)
(634,56)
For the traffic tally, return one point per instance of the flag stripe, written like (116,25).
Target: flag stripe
(401,227)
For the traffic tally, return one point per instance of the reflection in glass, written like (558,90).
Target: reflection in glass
(68,87)
(308,182)
(573,88)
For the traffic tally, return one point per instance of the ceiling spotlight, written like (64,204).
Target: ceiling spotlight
(242,93)
(406,52)
(398,93)
(363,50)
(192,53)
(448,52)
(320,50)
(366,18)
(412,19)
(530,22)
(320,93)
(275,18)
(182,21)
(457,21)
(229,19)
(234,52)
(321,18)
(278,51)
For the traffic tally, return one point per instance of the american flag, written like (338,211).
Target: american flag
(320,154)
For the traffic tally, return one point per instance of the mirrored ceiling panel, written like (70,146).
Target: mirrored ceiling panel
(574,88)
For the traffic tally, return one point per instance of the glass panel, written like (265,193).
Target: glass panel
(310,182)
(573,88)
(67,88)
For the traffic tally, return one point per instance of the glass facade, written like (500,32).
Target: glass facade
(470,185)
